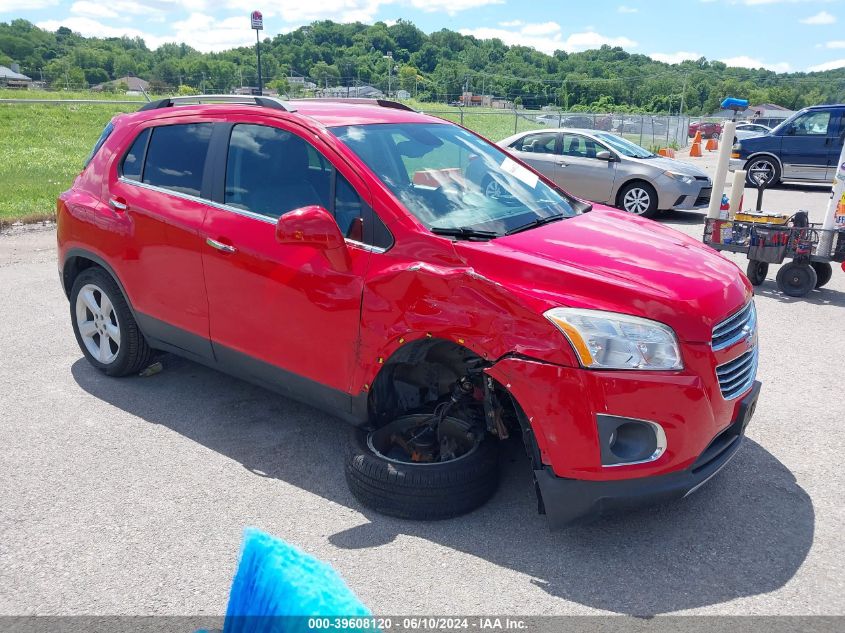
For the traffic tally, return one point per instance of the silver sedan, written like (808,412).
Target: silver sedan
(606,168)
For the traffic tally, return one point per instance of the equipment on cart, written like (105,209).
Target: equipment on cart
(810,247)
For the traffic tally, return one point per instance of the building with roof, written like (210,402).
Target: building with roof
(13,78)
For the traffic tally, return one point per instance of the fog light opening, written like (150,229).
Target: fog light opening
(626,441)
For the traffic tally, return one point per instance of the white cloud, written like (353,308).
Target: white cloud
(837,63)
(92,9)
(820,18)
(675,58)
(626,9)
(744,61)
(299,12)
(835,44)
(548,37)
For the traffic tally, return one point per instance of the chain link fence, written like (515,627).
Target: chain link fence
(652,131)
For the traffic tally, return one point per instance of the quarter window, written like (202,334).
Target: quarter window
(133,162)
(176,157)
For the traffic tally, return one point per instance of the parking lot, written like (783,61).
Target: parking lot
(128,496)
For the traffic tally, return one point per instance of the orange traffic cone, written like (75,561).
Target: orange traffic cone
(712,145)
(695,150)
(697,138)
(668,152)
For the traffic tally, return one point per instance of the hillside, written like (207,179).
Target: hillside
(436,66)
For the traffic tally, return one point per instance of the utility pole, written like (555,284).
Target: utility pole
(389,57)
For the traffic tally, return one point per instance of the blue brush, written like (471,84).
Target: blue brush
(277,588)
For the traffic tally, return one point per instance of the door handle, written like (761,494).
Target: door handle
(220,246)
(118,204)
(562,164)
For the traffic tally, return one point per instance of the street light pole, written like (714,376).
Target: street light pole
(389,56)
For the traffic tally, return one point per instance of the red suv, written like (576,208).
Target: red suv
(353,256)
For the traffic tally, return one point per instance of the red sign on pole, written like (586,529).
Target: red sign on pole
(257,20)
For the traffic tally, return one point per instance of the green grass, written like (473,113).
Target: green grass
(42,149)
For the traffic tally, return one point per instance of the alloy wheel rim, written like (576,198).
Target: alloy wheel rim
(763,167)
(97,323)
(637,201)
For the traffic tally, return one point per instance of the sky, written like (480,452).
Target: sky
(781,35)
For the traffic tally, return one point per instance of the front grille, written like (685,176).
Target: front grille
(737,376)
(739,325)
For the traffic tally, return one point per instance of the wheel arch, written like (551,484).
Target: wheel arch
(77,260)
(767,154)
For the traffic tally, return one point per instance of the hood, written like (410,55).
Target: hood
(609,260)
(672,164)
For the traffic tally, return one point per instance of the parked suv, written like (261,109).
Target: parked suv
(804,148)
(350,256)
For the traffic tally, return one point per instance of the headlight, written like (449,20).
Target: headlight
(607,340)
(737,147)
(687,180)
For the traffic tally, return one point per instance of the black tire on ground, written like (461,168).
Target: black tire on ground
(766,164)
(824,272)
(421,491)
(796,280)
(133,353)
(756,272)
(640,192)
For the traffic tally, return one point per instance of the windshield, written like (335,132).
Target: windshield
(450,179)
(624,146)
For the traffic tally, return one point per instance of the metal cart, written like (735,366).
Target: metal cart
(810,248)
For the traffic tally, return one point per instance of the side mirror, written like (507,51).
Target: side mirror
(315,227)
(605,155)
(309,226)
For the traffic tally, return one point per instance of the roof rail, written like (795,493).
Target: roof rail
(383,103)
(265,102)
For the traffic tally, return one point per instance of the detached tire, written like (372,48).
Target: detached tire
(421,491)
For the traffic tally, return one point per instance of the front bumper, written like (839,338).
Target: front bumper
(570,502)
(674,194)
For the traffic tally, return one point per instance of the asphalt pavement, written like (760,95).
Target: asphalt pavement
(128,496)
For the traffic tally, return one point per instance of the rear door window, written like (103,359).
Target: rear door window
(545,143)
(176,157)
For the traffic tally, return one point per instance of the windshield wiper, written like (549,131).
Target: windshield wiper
(463,233)
(535,223)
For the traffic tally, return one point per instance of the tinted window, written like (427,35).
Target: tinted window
(272,171)
(176,157)
(134,159)
(536,143)
(103,136)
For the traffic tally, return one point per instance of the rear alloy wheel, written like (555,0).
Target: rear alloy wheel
(409,470)
(766,169)
(756,272)
(796,280)
(104,326)
(824,272)
(639,199)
